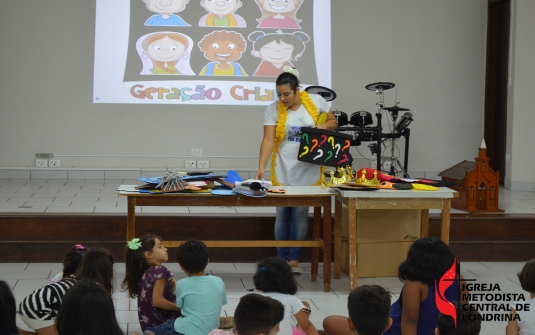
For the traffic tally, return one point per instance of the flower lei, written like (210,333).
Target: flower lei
(280,131)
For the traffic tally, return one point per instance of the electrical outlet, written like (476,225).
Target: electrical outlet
(40,163)
(190,164)
(54,163)
(203,164)
(196,152)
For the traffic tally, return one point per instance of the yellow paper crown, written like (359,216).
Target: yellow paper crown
(345,175)
(363,181)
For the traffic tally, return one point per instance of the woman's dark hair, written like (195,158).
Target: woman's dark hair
(428,259)
(287,78)
(136,265)
(72,259)
(275,275)
(296,39)
(192,255)
(527,276)
(97,266)
(7,310)
(87,309)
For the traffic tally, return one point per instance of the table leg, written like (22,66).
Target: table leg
(445,221)
(327,240)
(131,219)
(424,223)
(337,238)
(352,240)
(316,236)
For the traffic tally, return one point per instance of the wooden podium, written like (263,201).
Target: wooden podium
(478,185)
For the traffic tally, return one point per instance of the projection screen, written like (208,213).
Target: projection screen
(207,52)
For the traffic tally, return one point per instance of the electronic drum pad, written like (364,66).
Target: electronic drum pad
(325,92)
(380,86)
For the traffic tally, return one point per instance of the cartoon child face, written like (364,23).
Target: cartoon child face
(166,6)
(165,50)
(221,7)
(223,51)
(279,6)
(275,52)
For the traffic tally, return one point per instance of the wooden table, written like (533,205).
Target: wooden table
(307,196)
(383,200)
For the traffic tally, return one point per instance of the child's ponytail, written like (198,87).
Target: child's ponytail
(136,265)
(72,259)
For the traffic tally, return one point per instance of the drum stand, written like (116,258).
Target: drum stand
(393,159)
(379,88)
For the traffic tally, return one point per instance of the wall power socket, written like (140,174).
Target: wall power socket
(190,164)
(203,164)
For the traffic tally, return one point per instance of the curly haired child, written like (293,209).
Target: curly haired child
(275,279)
(416,312)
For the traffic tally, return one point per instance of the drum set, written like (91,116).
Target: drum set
(360,124)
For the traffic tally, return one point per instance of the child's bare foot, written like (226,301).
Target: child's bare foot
(226,322)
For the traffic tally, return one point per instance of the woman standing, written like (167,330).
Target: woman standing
(283,120)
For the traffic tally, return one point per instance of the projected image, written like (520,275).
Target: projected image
(276,50)
(227,53)
(166,53)
(221,14)
(165,10)
(223,48)
(279,14)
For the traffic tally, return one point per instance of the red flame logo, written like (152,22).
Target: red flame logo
(444,306)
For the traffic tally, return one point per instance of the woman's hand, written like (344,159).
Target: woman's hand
(259,175)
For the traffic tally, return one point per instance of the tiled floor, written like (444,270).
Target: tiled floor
(238,277)
(100,196)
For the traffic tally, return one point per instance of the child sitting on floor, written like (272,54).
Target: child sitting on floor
(369,310)
(275,279)
(257,315)
(87,308)
(151,282)
(39,309)
(8,310)
(526,323)
(199,296)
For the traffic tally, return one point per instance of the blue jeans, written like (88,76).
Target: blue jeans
(291,224)
(167,328)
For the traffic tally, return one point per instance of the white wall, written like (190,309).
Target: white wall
(434,51)
(520,169)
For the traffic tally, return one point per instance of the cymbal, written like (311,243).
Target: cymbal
(325,92)
(380,86)
(396,109)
